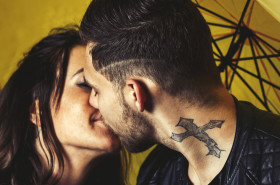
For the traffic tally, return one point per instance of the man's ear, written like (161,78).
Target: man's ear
(137,91)
(35,113)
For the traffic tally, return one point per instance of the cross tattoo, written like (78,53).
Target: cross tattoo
(200,134)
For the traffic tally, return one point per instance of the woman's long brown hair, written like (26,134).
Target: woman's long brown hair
(40,75)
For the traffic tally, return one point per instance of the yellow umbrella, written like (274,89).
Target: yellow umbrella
(246,43)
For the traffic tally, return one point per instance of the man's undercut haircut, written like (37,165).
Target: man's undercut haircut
(167,41)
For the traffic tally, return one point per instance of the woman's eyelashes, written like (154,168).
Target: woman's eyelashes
(84,85)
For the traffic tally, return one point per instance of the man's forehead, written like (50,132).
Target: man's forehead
(89,70)
(90,73)
(92,76)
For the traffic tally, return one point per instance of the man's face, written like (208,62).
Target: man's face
(133,129)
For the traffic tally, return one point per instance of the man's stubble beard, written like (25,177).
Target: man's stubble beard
(134,129)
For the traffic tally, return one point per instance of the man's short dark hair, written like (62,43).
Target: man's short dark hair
(167,41)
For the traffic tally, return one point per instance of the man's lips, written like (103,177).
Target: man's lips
(99,119)
(96,116)
(96,119)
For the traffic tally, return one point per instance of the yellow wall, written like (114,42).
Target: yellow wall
(25,22)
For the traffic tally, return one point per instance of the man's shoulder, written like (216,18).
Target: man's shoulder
(263,121)
(163,166)
(261,157)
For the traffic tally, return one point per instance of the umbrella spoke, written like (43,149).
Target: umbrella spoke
(258,70)
(251,89)
(252,74)
(238,56)
(267,36)
(215,54)
(263,41)
(231,46)
(226,10)
(267,74)
(221,25)
(273,106)
(244,33)
(226,78)
(277,56)
(250,14)
(222,34)
(217,15)
(264,53)
(218,48)
(256,57)
(224,37)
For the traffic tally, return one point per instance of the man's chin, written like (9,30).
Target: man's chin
(109,127)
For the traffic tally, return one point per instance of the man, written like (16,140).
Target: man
(153,77)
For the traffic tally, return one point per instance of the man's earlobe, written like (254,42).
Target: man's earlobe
(138,93)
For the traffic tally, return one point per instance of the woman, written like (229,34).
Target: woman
(49,134)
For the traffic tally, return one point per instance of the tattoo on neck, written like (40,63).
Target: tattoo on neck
(200,134)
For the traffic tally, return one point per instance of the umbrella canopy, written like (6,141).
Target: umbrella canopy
(246,43)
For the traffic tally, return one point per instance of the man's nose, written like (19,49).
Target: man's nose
(93,100)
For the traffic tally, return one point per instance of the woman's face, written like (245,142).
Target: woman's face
(76,123)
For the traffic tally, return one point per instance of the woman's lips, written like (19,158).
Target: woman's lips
(96,119)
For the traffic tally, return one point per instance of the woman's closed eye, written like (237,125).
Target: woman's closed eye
(84,85)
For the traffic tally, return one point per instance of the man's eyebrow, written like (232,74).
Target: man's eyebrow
(79,71)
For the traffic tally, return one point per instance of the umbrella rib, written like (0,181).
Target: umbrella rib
(271,104)
(239,24)
(222,34)
(221,25)
(250,14)
(226,78)
(250,88)
(238,56)
(257,57)
(252,74)
(224,37)
(226,10)
(217,47)
(258,70)
(207,10)
(267,36)
(270,50)
(267,73)
(271,63)
(274,49)
(217,56)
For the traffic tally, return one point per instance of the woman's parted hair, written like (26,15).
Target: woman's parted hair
(40,75)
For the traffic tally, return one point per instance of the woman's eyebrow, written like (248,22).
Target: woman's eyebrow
(79,71)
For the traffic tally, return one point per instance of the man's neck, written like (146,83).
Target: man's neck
(204,135)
